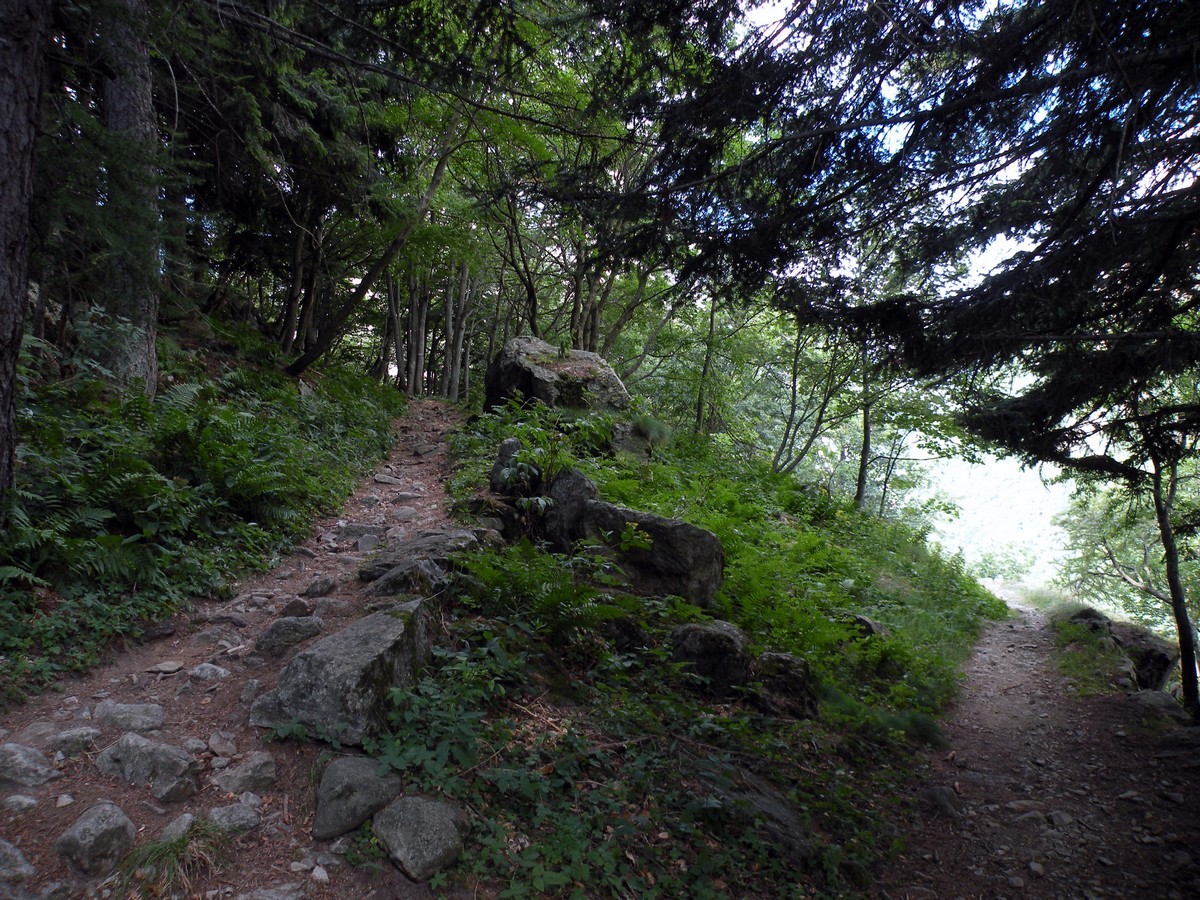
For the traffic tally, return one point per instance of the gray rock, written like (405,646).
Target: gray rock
(1153,658)
(292,890)
(540,371)
(25,766)
(98,839)
(501,479)
(352,531)
(665,556)
(209,672)
(413,576)
(37,734)
(297,606)
(130,716)
(255,773)
(419,834)
(1060,818)
(235,818)
(283,633)
(319,587)
(366,543)
(222,743)
(14,867)
(177,828)
(714,650)
(74,741)
(342,684)
(327,606)
(789,686)
(1161,704)
(867,627)
(942,799)
(19,803)
(351,791)
(436,545)
(170,771)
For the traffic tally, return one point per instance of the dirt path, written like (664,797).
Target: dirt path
(404,495)
(1041,793)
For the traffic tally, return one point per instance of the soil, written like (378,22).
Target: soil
(1039,792)
(406,492)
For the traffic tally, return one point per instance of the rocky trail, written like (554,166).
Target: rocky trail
(1039,792)
(188,687)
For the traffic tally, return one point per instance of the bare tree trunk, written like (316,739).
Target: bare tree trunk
(291,306)
(128,102)
(864,450)
(23,27)
(418,314)
(709,351)
(1164,499)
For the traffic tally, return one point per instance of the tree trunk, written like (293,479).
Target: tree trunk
(864,450)
(291,306)
(709,350)
(1164,497)
(23,27)
(128,103)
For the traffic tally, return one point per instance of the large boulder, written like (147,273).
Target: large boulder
(716,651)
(435,546)
(559,378)
(421,835)
(26,766)
(98,839)
(170,771)
(255,773)
(351,791)
(340,686)
(14,868)
(1153,658)
(789,688)
(659,556)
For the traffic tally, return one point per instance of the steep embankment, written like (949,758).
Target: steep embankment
(1039,792)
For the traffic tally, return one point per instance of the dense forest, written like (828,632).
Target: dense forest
(818,229)
(812,237)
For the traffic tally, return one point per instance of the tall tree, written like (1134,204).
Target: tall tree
(132,197)
(23,29)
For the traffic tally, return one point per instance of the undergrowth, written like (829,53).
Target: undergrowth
(595,765)
(125,507)
(1087,656)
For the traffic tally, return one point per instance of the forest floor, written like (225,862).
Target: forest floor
(1040,792)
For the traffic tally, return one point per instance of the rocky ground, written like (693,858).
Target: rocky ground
(200,672)
(1042,793)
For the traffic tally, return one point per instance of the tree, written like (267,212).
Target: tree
(131,194)
(23,29)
